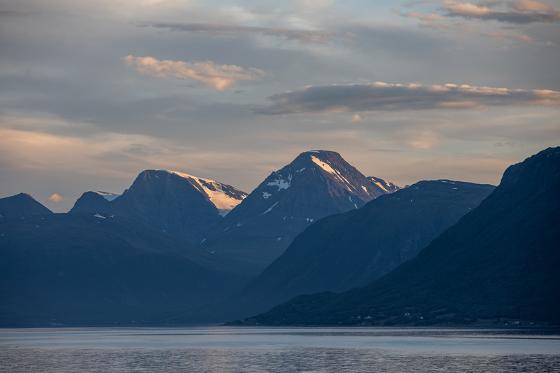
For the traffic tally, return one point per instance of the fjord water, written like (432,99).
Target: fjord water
(225,349)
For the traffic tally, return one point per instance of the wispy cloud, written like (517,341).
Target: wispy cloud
(306,36)
(217,76)
(519,12)
(397,97)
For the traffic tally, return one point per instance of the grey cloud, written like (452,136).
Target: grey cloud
(520,12)
(396,97)
(307,36)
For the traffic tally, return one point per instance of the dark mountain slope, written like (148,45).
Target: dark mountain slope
(498,264)
(85,270)
(351,249)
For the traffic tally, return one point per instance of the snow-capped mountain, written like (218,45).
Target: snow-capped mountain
(176,203)
(316,184)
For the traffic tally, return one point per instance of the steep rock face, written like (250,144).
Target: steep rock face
(21,206)
(498,264)
(316,184)
(351,249)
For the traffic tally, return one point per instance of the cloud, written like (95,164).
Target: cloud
(398,97)
(532,6)
(219,77)
(519,12)
(56,198)
(306,36)
(467,9)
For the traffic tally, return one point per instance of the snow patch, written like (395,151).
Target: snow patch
(215,192)
(270,208)
(381,186)
(107,195)
(327,168)
(281,183)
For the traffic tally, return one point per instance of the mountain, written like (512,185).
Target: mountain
(21,206)
(498,265)
(176,203)
(314,185)
(78,269)
(351,249)
(93,203)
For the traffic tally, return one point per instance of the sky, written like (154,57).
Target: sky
(93,92)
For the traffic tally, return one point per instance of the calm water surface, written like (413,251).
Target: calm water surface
(223,349)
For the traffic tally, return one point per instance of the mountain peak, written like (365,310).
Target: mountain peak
(317,183)
(322,155)
(22,197)
(319,153)
(93,203)
(20,206)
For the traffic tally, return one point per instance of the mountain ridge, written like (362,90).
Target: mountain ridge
(179,204)
(497,265)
